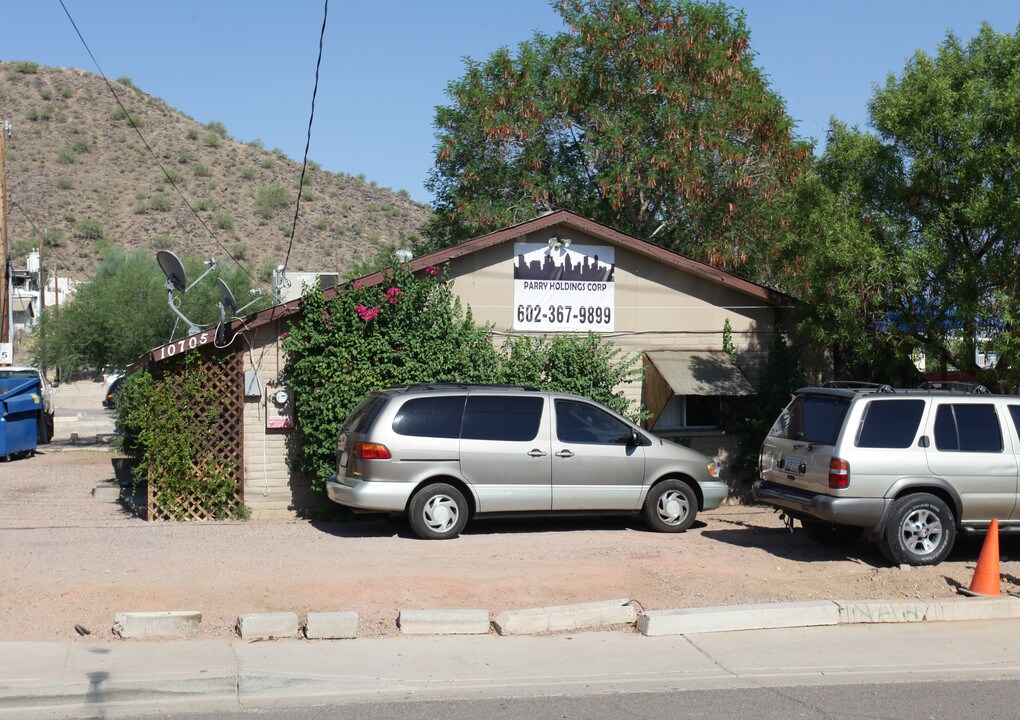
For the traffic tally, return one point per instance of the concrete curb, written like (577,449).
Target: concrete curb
(728,618)
(443,622)
(178,623)
(566,617)
(898,611)
(266,626)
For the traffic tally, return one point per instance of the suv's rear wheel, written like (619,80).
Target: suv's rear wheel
(920,530)
(671,506)
(825,533)
(438,512)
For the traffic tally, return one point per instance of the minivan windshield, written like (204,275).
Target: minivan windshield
(812,418)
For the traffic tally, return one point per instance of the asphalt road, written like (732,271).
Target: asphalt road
(987,700)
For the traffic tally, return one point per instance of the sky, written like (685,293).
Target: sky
(386,63)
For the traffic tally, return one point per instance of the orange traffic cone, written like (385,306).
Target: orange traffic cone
(986,574)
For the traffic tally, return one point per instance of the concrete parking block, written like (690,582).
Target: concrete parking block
(331,625)
(934,610)
(264,626)
(737,617)
(174,623)
(106,492)
(443,622)
(565,617)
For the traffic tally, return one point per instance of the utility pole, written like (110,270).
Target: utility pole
(42,272)
(6,346)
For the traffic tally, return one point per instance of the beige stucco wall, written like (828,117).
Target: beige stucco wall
(271,489)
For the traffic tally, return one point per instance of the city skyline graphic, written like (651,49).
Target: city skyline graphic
(588,269)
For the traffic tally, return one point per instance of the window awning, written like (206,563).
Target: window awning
(700,373)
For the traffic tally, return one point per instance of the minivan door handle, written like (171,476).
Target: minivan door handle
(564,454)
(537,453)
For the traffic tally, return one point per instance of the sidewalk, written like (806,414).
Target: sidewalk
(43,680)
(79,419)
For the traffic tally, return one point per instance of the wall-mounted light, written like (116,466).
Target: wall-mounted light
(558,242)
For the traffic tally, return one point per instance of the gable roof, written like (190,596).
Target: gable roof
(562,218)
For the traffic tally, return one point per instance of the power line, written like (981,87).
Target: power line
(131,121)
(308,139)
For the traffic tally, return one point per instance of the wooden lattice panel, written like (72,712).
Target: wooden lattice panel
(222,380)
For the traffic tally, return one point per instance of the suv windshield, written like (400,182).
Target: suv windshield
(812,418)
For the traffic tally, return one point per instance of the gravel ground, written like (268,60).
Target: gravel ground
(67,558)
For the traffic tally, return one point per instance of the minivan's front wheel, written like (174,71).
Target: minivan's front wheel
(920,530)
(671,506)
(438,512)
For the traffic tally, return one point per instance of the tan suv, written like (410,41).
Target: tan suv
(907,468)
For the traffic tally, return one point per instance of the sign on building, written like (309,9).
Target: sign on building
(564,287)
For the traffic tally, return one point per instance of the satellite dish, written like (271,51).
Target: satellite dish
(228,296)
(172,267)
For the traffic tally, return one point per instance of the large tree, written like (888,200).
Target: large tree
(648,115)
(916,232)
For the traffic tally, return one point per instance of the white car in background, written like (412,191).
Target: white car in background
(45,431)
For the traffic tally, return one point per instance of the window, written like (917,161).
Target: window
(582,423)
(364,415)
(812,418)
(502,417)
(436,417)
(890,423)
(691,411)
(967,428)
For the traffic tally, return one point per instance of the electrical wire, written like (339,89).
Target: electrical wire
(131,121)
(35,227)
(308,139)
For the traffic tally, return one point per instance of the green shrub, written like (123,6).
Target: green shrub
(118,113)
(66,92)
(63,182)
(161,242)
(173,175)
(46,95)
(204,204)
(126,81)
(65,156)
(212,140)
(308,195)
(322,224)
(215,126)
(270,199)
(248,172)
(238,251)
(26,68)
(160,202)
(286,229)
(256,143)
(201,170)
(80,146)
(223,220)
(192,134)
(89,230)
(267,163)
(32,114)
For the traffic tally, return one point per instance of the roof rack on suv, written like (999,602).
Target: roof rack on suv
(856,384)
(957,386)
(461,386)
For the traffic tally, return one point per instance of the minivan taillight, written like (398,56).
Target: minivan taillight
(839,473)
(761,459)
(370,451)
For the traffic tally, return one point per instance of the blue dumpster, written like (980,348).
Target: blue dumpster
(20,405)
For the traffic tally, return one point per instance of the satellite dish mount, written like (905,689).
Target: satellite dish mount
(176,279)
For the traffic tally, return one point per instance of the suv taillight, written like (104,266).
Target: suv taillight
(839,473)
(370,451)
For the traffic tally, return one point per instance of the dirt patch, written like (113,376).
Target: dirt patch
(71,559)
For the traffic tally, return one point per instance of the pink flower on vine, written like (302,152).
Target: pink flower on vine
(367,313)
(392,294)
(432,270)
(284,336)
(358,284)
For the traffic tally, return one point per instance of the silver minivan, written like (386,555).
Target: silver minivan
(907,468)
(444,453)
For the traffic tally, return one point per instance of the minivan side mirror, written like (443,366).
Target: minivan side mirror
(635,438)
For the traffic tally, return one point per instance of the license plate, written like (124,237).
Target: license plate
(791,464)
(343,459)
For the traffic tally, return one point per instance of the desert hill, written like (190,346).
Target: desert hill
(77,168)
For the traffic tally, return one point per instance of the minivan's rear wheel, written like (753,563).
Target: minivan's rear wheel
(438,512)
(671,506)
(920,530)
(825,533)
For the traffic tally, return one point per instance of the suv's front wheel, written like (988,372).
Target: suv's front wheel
(438,512)
(920,530)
